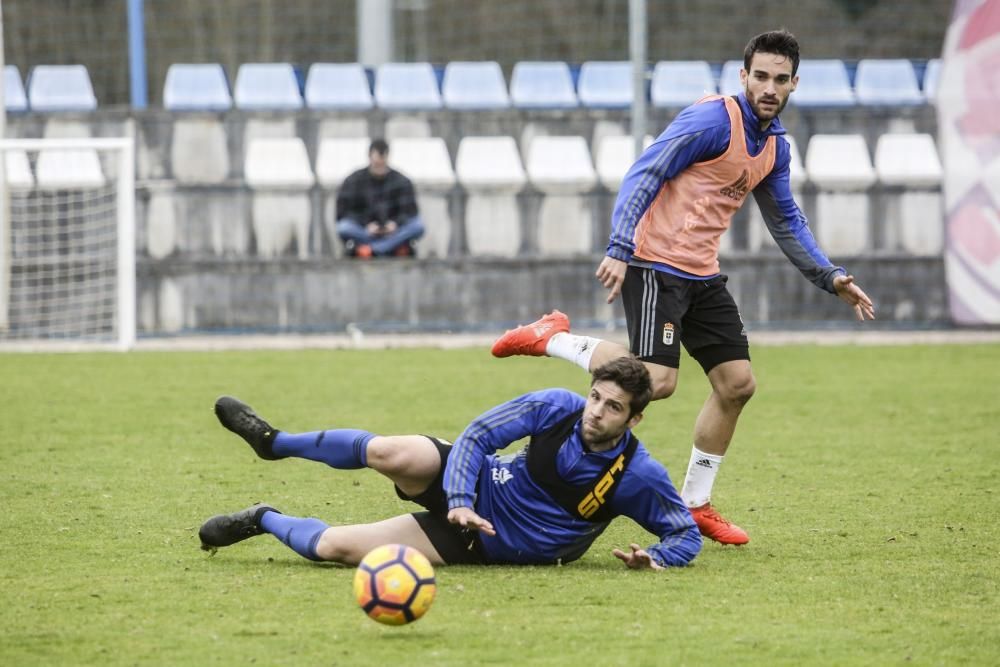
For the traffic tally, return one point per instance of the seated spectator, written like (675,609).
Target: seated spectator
(377,209)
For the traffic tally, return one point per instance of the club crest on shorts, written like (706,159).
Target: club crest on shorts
(668,333)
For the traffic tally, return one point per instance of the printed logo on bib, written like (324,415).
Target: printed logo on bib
(737,190)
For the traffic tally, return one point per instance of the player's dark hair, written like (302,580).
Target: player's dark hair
(631,375)
(781,42)
(380,146)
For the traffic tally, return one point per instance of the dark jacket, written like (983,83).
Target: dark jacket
(365,198)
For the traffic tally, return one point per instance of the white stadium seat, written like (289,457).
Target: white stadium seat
(196,87)
(278,172)
(490,170)
(474,86)
(914,218)
(338,86)
(426,162)
(681,82)
(542,85)
(841,168)
(267,87)
(561,168)
(407,87)
(61,88)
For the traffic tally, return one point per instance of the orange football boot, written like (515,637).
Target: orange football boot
(531,339)
(713,526)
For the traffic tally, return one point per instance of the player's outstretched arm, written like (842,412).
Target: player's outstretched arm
(611,273)
(466,517)
(855,297)
(638,559)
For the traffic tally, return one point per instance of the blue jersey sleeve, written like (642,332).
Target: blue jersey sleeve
(700,132)
(789,226)
(497,428)
(649,498)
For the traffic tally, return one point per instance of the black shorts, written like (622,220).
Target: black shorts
(663,311)
(455,545)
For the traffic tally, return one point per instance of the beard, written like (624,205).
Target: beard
(770,113)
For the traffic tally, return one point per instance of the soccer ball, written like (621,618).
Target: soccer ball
(394,584)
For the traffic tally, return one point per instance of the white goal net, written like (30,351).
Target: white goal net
(67,242)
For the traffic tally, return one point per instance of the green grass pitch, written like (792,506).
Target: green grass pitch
(868,478)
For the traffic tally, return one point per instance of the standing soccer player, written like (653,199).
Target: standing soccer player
(675,203)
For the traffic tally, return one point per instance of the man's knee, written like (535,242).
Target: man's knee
(386,454)
(331,547)
(738,389)
(664,380)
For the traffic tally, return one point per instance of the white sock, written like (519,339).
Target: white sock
(700,477)
(578,349)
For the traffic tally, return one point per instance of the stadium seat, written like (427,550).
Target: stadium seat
(757,235)
(277,163)
(14,97)
(887,83)
(542,85)
(490,170)
(931,78)
(823,83)
(199,151)
(59,168)
(407,87)
(278,171)
(267,87)
(338,157)
(561,168)
(61,88)
(841,168)
(338,86)
(199,87)
(605,85)
(613,157)
(426,162)
(913,217)
(680,83)
(474,86)
(729,79)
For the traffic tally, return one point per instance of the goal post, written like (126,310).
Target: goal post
(67,252)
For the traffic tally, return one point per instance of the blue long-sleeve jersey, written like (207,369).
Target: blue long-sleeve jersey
(701,132)
(530,526)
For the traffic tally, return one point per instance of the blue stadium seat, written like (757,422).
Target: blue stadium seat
(931,76)
(196,87)
(267,87)
(14,97)
(475,86)
(407,87)
(680,83)
(606,85)
(823,83)
(61,88)
(542,85)
(887,83)
(340,86)
(729,79)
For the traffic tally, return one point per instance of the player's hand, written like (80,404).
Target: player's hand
(855,297)
(372,228)
(638,559)
(467,518)
(611,273)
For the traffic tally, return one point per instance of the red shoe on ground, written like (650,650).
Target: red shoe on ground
(531,339)
(363,251)
(713,526)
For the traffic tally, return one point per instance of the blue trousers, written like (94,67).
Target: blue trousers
(351,230)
